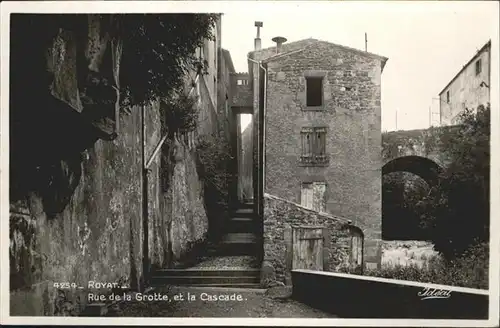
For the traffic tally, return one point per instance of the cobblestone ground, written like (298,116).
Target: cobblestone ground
(251,304)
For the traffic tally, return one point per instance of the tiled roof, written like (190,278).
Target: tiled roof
(268,54)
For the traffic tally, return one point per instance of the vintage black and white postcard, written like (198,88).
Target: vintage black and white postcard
(249,162)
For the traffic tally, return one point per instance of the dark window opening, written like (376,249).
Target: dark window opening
(478,67)
(314,88)
(448,97)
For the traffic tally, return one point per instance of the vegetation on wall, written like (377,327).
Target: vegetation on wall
(157,51)
(454,215)
(402,196)
(179,114)
(468,270)
(214,158)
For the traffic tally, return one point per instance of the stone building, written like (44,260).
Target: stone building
(468,89)
(317,131)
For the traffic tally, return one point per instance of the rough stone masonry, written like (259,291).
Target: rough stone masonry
(351,114)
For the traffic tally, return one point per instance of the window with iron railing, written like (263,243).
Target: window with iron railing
(313,146)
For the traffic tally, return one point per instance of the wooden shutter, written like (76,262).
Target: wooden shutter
(319,190)
(307,142)
(306,195)
(319,143)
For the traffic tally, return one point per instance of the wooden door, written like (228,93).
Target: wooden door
(356,250)
(307,248)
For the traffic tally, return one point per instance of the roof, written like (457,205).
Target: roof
(228,59)
(487,45)
(269,54)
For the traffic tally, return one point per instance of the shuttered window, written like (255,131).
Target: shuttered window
(313,145)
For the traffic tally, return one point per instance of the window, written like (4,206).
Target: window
(242,82)
(313,146)
(314,90)
(312,196)
(478,66)
(448,96)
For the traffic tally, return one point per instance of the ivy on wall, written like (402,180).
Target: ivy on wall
(155,52)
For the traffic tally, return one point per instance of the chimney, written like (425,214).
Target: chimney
(279,41)
(257,43)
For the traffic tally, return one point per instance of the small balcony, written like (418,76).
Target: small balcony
(314,160)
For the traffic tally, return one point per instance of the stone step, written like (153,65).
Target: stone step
(207,272)
(240,225)
(239,238)
(188,280)
(243,213)
(234,248)
(247,205)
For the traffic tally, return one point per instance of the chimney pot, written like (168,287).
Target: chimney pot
(257,43)
(279,41)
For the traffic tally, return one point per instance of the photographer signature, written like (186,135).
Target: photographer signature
(433,293)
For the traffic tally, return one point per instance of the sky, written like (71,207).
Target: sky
(427,43)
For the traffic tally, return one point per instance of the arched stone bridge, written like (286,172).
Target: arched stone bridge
(415,151)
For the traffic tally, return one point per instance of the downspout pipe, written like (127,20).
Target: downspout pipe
(145,210)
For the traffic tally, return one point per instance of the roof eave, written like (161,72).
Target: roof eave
(486,45)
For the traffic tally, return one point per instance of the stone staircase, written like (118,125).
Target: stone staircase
(234,278)
(229,263)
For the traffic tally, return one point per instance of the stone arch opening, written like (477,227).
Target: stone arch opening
(425,168)
(406,181)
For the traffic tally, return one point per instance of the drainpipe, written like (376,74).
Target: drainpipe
(264,131)
(145,212)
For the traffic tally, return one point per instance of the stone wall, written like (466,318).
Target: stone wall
(242,93)
(280,214)
(245,170)
(184,210)
(224,92)
(363,297)
(99,234)
(426,143)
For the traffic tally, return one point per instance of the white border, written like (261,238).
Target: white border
(244,7)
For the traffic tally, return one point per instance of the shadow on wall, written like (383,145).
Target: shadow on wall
(68,108)
(72,189)
(183,204)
